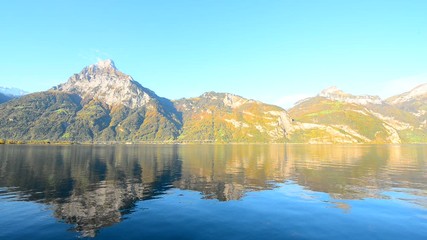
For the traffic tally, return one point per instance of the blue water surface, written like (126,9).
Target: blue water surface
(213,192)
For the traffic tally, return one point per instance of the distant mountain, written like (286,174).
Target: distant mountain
(7,94)
(12,91)
(224,117)
(337,117)
(5,98)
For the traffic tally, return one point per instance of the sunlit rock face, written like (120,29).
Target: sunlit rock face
(103,82)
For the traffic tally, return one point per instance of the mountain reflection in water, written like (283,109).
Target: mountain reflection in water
(93,187)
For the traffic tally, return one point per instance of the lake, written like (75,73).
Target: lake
(265,191)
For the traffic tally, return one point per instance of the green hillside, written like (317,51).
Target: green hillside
(58,116)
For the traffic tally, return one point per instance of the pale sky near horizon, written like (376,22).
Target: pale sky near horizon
(276,51)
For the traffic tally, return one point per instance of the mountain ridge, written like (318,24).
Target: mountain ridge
(103,104)
(334,116)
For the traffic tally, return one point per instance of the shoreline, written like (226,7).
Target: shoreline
(64,143)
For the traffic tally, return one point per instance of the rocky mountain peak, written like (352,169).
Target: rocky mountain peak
(104,82)
(101,67)
(335,94)
(106,64)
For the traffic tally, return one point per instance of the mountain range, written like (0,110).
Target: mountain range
(7,94)
(103,104)
(12,91)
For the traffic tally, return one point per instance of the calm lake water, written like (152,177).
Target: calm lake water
(213,192)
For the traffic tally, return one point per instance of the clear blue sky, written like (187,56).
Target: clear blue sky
(270,50)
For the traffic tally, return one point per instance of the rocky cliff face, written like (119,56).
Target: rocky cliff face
(104,83)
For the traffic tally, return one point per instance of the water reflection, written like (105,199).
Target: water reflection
(89,186)
(93,187)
